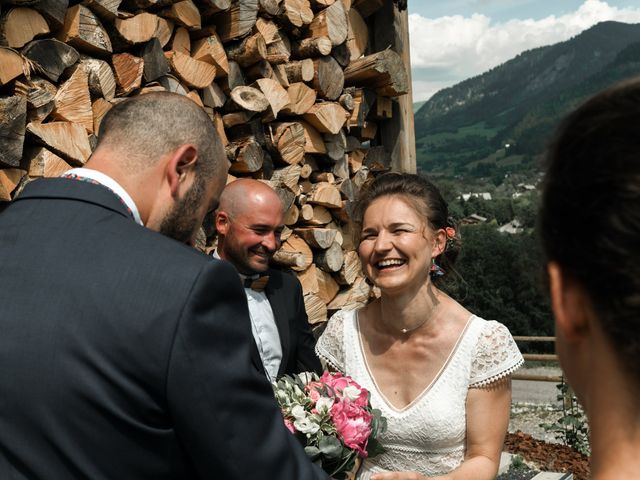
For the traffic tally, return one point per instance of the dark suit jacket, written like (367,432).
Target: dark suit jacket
(124,354)
(284,293)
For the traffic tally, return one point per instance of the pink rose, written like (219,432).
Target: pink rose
(335,380)
(289,424)
(313,389)
(353,425)
(339,382)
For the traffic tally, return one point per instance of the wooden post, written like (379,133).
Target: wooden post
(398,133)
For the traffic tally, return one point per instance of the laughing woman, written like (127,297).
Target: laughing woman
(440,375)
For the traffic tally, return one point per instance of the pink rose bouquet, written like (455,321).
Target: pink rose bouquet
(333,418)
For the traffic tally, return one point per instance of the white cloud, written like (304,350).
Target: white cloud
(459,47)
(424,89)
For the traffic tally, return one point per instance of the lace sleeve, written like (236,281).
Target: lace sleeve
(330,346)
(496,356)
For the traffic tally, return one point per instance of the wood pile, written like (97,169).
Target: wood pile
(294,88)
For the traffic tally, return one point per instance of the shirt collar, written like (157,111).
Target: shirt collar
(112,185)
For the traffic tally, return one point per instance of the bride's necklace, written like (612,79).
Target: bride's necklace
(406,330)
(415,327)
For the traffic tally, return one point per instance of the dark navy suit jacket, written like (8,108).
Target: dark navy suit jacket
(125,354)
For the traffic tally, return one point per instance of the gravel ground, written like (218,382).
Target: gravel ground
(527,417)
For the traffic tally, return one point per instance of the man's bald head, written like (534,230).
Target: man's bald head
(249,222)
(246,194)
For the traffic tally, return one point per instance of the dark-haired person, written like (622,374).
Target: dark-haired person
(440,375)
(590,223)
(126,354)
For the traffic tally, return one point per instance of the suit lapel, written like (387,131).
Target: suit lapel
(275,296)
(255,357)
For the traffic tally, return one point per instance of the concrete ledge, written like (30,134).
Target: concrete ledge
(505,462)
(553,476)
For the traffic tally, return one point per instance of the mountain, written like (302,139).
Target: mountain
(417,105)
(500,121)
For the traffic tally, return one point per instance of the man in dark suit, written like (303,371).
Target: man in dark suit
(126,354)
(249,222)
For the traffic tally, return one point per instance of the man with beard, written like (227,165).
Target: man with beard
(249,222)
(126,354)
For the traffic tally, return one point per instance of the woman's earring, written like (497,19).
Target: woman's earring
(435,270)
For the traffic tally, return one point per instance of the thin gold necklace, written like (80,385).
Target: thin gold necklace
(407,330)
(426,318)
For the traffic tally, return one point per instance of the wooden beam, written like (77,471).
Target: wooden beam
(398,133)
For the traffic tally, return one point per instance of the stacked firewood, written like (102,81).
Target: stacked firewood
(291,85)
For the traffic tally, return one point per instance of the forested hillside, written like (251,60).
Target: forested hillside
(499,122)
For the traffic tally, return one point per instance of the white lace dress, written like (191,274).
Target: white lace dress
(428,435)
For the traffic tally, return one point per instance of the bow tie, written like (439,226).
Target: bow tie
(257,284)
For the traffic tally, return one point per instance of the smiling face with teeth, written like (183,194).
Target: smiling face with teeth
(397,244)
(249,223)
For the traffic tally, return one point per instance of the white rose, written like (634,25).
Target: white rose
(306,426)
(298,412)
(351,392)
(324,404)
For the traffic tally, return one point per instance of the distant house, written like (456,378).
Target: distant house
(473,219)
(482,195)
(513,227)
(523,189)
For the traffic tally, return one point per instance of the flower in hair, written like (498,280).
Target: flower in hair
(451,233)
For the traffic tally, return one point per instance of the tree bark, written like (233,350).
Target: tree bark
(13,119)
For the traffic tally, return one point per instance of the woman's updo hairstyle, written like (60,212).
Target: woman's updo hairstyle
(425,198)
(590,214)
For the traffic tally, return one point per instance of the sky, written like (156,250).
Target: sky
(452,40)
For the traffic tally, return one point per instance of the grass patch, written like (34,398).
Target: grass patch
(477,129)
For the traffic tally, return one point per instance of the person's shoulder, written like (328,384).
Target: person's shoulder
(170,248)
(286,279)
(490,327)
(343,316)
(286,275)
(150,251)
(494,339)
(496,353)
